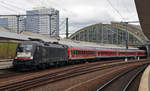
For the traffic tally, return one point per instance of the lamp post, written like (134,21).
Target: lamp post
(50,32)
(67,28)
(126,40)
(18,16)
(126,24)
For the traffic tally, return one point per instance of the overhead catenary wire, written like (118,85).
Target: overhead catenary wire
(13,6)
(117,11)
(62,23)
(10,9)
(126,8)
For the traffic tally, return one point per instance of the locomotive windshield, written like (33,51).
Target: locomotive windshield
(24,48)
(24,51)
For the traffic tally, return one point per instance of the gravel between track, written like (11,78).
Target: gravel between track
(30,75)
(86,82)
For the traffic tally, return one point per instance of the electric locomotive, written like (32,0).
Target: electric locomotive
(39,54)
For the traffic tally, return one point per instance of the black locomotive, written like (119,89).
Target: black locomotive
(39,54)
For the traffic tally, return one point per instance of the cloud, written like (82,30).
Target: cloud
(80,12)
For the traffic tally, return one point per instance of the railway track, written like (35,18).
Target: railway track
(5,73)
(123,81)
(50,78)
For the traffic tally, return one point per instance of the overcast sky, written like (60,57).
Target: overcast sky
(80,12)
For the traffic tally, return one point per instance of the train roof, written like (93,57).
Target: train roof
(79,44)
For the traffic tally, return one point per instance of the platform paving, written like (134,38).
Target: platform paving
(145,80)
(5,60)
(5,65)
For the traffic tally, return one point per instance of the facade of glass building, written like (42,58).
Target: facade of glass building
(43,24)
(114,33)
(4,22)
(11,23)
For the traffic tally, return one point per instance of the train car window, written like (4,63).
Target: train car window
(74,52)
(71,51)
(103,53)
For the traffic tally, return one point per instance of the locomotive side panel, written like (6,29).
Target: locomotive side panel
(50,54)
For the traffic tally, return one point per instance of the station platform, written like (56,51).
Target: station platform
(5,60)
(145,80)
(5,63)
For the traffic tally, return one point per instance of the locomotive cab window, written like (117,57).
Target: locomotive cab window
(25,51)
(24,48)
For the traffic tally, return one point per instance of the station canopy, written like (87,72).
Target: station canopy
(143,9)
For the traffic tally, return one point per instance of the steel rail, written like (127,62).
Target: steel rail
(49,78)
(121,75)
(133,78)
